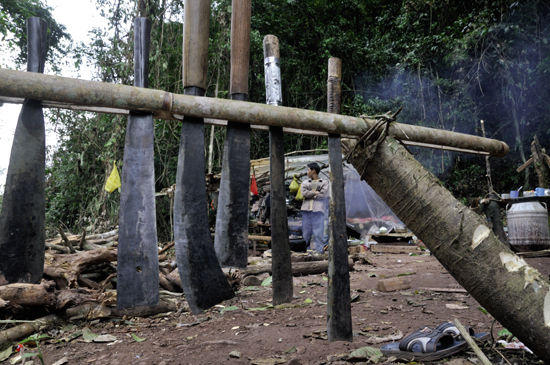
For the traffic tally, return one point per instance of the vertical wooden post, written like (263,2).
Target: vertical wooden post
(231,240)
(339,301)
(22,231)
(137,269)
(280,247)
(203,281)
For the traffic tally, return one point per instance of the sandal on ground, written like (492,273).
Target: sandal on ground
(450,328)
(427,344)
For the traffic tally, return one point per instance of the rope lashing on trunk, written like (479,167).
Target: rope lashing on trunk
(367,145)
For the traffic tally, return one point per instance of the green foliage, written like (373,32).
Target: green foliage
(446,64)
(13,29)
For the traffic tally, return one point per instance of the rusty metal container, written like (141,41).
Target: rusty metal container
(528,226)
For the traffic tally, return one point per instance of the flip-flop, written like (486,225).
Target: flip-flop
(427,344)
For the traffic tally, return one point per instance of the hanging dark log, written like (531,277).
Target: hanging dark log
(540,163)
(231,242)
(69,91)
(487,162)
(513,292)
(202,279)
(491,207)
(137,268)
(280,247)
(22,231)
(339,326)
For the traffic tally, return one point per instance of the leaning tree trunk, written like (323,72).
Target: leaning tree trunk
(513,292)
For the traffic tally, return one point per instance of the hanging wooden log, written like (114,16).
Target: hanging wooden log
(540,163)
(22,231)
(339,326)
(137,268)
(280,247)
(202,279)
(513,292)
(231,241)
(173,106)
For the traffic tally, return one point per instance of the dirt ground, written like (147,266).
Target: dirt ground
(248,330)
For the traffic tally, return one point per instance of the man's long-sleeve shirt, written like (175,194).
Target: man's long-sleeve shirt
(316,194)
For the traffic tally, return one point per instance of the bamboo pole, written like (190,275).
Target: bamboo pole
(94,93)
(221,123)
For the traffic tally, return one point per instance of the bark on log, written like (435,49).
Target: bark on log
(512,291)
(93,93)
(28,295)
(298,268)
(68,267)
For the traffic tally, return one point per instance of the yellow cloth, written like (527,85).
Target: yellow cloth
(113,182)
(294,185)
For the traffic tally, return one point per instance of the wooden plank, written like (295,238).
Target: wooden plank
(393,284)
(394,249)
(446,290)
(203,281)
(22,232)
(231,242)
(339,327)
(137,268)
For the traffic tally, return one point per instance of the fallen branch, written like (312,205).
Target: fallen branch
(446,290)
(28,295)
(298,268)
(66,268)
(472,343)
(27,329)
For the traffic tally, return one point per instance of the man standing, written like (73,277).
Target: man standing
(316,193)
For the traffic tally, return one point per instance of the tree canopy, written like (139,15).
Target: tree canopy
(448,64)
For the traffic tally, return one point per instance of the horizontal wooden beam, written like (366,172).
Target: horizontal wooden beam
(105,95)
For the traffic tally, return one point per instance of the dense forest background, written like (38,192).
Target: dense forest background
(448,64)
